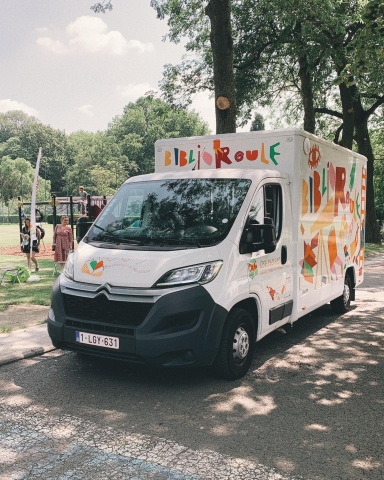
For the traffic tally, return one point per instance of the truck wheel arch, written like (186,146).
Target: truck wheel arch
(341,304)
(352,274)
(251,305)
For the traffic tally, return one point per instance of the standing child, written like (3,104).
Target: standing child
(83,200)
(26,243)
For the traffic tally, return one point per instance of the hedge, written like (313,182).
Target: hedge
(9,218)
(49,219)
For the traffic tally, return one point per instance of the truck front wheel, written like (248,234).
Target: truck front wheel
(237,345)
(341,304)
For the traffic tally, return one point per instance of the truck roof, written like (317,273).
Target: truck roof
(251,174)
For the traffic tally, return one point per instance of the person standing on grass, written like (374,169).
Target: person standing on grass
(62,241)
(26,243)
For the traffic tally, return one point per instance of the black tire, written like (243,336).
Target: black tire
(236,346)
(341,304)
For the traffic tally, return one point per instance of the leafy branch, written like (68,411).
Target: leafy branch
(102,7)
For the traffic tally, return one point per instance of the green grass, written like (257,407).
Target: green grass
(36,293)
(373,248)
(5,329)
(10,234)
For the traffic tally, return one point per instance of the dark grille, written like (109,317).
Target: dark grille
(98,328)
(100,309)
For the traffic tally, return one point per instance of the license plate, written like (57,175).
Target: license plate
(97,340)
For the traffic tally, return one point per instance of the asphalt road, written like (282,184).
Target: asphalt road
(311,407)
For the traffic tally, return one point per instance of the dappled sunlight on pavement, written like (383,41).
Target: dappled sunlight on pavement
(243,400)
(310,407)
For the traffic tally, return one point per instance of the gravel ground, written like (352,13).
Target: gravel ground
(22,316)
(45,251)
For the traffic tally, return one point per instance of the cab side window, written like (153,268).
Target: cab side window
(268,204)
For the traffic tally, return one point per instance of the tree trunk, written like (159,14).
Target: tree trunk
(306,91)
(348,116)
(307,95)
(364,146)
(219,13)
(346,97)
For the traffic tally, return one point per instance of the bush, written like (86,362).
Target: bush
(50,219)
(9,219)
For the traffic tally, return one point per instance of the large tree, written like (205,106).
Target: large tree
(189,13)
(16,178)
(219,13)
(96,163)
(147,120)
(320,56)
(22,135)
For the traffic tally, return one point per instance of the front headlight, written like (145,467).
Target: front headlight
(68,269)
(203,273)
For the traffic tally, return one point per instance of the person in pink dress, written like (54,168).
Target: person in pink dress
(62,241)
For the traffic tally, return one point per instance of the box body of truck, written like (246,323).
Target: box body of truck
(234,236)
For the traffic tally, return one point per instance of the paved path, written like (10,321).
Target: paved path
(68,448)
(24,343)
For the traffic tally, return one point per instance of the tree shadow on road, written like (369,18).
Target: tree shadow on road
(309,405)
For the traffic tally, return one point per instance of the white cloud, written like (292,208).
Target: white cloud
(133,91)
(86,109)
(52,45)
(7,104)
(91,35)
(142,47)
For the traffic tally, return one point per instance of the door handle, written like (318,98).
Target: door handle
(284,254)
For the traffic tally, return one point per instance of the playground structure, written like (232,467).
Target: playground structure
(80,213)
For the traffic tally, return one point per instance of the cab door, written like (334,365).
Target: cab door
(270,273)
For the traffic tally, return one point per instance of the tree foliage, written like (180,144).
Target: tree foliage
(147,120)
(16,176)
(306,58)
(100,161)
(257,123)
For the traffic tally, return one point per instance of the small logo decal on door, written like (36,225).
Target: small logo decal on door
(252,266)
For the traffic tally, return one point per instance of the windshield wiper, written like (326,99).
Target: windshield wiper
(119,239)
(173,241)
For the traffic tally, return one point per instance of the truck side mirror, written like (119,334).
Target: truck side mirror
(258,237)
(269,235)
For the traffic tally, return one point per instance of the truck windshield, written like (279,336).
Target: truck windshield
(194,212)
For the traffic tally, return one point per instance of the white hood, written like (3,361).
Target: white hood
(134,268)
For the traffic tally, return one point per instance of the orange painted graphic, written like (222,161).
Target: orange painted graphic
(304,198)
(314,156)
(93,267)
(272,292)
(332,222)
(325,218)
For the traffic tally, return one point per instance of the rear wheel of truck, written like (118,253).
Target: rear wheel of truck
(341,304)
(237,345)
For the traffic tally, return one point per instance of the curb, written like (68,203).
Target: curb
(34,352)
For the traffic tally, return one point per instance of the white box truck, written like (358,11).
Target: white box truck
(232,237)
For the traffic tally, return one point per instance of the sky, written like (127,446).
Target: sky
(76,70)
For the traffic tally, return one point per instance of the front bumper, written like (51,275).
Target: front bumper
(172,327)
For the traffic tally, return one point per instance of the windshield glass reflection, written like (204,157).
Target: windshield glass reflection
(197,212)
